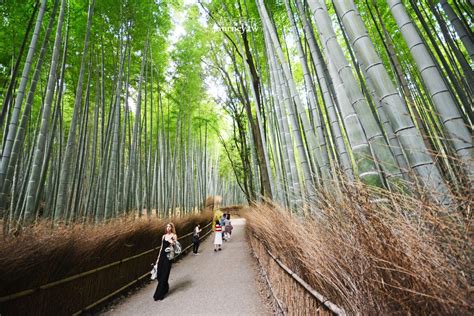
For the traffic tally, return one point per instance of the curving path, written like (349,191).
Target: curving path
(213,283)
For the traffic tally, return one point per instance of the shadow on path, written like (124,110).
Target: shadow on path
(180,286)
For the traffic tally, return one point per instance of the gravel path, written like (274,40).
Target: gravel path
(213,283)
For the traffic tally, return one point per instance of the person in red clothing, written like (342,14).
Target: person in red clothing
(218,236)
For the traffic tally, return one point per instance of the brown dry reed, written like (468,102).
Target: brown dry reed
(374,252)
(40,255)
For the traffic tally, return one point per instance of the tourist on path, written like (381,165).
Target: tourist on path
(222,223)
(196,240)
(218,236)
(164,264)
(227,228)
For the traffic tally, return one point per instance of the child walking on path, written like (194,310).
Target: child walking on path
(218,237)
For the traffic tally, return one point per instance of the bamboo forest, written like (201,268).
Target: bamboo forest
(336,133)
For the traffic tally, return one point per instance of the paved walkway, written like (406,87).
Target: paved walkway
(213,283)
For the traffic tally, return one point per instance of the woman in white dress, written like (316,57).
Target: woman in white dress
(218,237)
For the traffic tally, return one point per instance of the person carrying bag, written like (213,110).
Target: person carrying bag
(169,248)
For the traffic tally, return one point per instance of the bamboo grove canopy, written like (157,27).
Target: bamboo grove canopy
(149,106)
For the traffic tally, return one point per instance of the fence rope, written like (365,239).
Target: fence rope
(83,274)
(318,296)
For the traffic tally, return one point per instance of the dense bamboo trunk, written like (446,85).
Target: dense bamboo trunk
(457,132)
(57,115)
(284,144)
(305,159)
(111,186)
(64,178)
(7,98)
(324,83)
(335,55)
(130,175)
(257,129)
(467,74)
(367,169)
(445,56)
(281,97)
(392,103)
(34,178)
(403,82)
(20,135)
(464,35)
(15,117)
(321,150)
(92,183)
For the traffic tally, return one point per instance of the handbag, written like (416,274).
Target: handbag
(177,248)
(154,271)
(170,253)
(174,251)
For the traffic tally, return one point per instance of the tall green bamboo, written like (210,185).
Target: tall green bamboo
(336,58)
(283,102)
(457,132)
(305,159)
(463,34)
(7,98)
(286,143)
(15,118)
(324,81)
(392,103)
(321,150)
(64,178)
(20,135)
(33,182)
(111,191)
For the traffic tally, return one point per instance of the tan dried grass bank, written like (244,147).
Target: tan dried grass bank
(40,256)
(395,255)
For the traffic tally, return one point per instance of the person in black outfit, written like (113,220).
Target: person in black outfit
(164,264)
(196,240)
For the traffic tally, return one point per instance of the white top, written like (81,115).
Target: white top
(197,231)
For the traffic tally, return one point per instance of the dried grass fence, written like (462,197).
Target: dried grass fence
(72,270)
(371,252)
(292,294)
